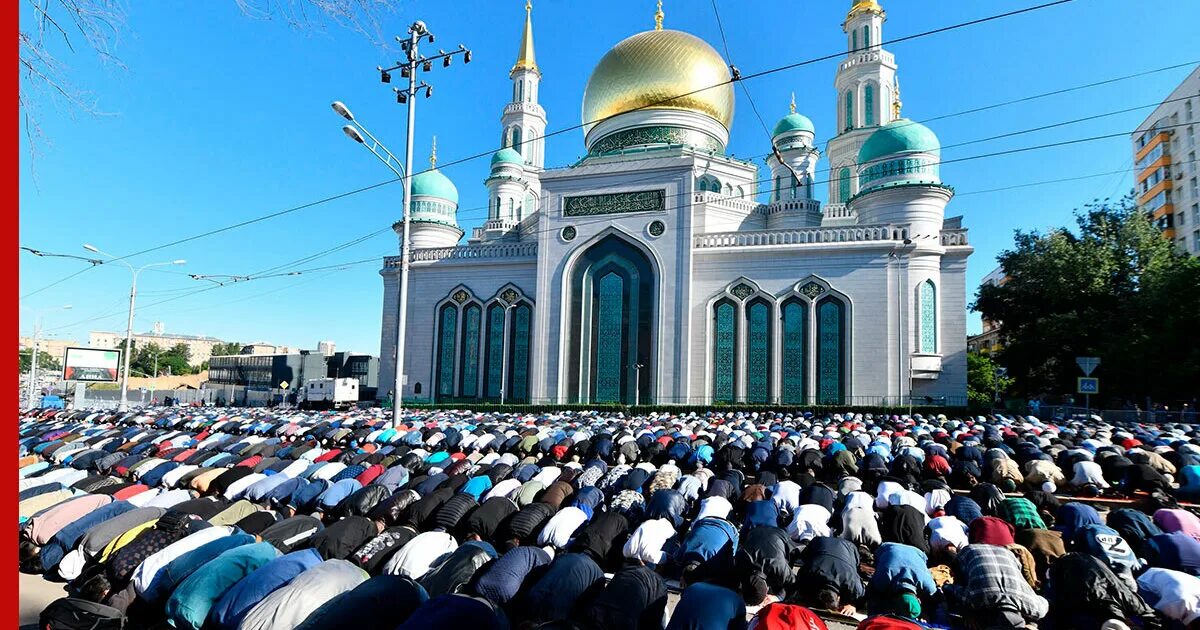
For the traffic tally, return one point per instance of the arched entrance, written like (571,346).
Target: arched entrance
(612,309)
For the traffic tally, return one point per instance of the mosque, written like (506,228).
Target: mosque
(660,270)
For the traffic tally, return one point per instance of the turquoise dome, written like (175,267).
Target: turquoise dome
(898,136)
(507,155)
(434,184)
(793,122)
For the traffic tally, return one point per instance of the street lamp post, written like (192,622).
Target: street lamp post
(129,323)
(33,356)
(408,68)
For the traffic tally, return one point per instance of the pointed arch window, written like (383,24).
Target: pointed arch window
(869,104)
(518,362)
(516,141)
(758,351)
(831,351)
(494,352)
(724,350)
(844,185)
(853,41)
(795,355)
(776,194)
(849,109)
(447,331)
(867,36)
(520,91)
(469,353)
(927,295)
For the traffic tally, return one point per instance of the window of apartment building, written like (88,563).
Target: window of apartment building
(1196,240)
(1182,218)
(1195,188)
(1158,201)
(1196,213)
(1149,158)
(1187,108)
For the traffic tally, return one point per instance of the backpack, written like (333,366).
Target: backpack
(70,613)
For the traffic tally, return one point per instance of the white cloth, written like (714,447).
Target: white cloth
(142,498)
(289,606)
(144,575)
(72,564)
(811,520)
(422,552)
(1088,473)
(786,495)
(169,498)
(1177,594)
(559,529)
(294,469)
(935,500)
(547,475)
(885,489)
(171,479)
(503,489)
(646,542)
(65,476)
(238,488)
(947,530)
(328,471)
(715,506)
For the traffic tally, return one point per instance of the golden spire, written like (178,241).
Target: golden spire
(896,101)
(658,17)
(792,106)
(525,59)
(433,154)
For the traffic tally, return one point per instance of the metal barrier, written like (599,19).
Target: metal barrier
(1051,412)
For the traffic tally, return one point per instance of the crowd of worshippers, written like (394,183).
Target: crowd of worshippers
(240,519)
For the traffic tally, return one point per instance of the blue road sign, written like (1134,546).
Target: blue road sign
(1088,385)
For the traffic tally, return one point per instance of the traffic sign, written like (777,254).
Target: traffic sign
(1087,364)
(283,385)
(1088,385)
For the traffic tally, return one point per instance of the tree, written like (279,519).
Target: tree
(46,362)
(1113,288)
(982,384)
(173,360)
(226,348)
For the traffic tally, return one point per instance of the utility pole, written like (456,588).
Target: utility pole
(31,389)
(408,67)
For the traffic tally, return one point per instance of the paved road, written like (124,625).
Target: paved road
(34,594)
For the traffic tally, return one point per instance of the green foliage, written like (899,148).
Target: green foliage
(982,384)
(46,362)
(173,360)
(226,348)
(1113,288)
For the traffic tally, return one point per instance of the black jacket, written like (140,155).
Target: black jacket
(1083,592)
(829,561)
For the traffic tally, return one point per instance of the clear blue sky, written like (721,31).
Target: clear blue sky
(216,118)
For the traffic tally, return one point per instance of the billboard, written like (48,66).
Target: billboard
(91,364)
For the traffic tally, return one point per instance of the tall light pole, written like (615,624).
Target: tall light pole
(33,356)
(132,303)
(408,68)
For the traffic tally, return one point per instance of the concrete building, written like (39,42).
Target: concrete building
(262,347)
(259,379)
(326,347)
(56,348)
(1166,175)
(988,341)
(657,269)
(363,367)
(199,347)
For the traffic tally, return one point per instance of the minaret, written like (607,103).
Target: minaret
(865,86)
(793,164)
(524,121)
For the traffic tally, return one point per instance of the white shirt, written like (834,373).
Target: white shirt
(1177,593)
(169,498)
(416,557)
(239,487)
(786,495)
(294,469)
(503,489)
(646,542)
(936,500)
(144,575)
(714,506)
(547,475)
(811,521)
(1088,473)
(947,530)
(65,476)
(142,498)
(171,479)
(327,471)
(559,529)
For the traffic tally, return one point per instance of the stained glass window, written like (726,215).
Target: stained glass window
(928,298)
(469,383)
(724,351)
(494,352)
(869,104)
(518,383)
(831,332)
(844,185)
(795,331)
(758,352)
(446,332)
(610,315)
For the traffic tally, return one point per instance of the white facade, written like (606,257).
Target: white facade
(649,272)
(199,348)
(1166,173)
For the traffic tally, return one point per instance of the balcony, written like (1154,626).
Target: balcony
(868,56)
(953,238)
(803,236)
(467,252)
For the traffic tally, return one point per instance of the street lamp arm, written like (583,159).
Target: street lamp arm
(383,154)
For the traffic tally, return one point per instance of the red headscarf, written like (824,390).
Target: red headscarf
(990,530)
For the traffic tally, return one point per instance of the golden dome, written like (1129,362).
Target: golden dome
(864,6)
(659,69)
